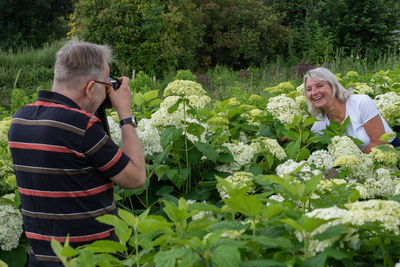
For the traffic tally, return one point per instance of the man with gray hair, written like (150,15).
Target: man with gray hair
(65,163)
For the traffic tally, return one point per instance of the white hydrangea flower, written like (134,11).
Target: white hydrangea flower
(326,185)
(271,145)
(276,197)
(334,214)
(238,180)
(384,212)
(381,101)
(4,127)
(346,160)
(343,146)
(387,155)
(381,184)
(149,137)
(283,108)
(363,88)
(184,88)
(242,155)
(10,227)
(250,115)
(290,165)
(322,159)
(201,214)
(115,130)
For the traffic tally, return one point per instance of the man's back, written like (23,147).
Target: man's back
(62,159)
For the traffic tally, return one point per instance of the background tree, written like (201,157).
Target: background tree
(32,23)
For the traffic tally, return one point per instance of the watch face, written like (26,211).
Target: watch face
(134,121)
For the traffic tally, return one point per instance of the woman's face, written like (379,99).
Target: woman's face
(319,93)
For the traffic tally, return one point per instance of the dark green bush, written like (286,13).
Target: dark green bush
(153,36)
(32,23)
(241,33)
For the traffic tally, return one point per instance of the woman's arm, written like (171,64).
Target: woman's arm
(374,128)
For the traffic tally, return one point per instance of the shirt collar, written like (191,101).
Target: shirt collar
(57,98)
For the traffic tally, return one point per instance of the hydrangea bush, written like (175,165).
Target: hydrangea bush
(262,188)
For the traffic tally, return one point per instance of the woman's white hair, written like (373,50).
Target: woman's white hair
(325,75)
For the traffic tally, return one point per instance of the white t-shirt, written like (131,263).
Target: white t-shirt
(360,108)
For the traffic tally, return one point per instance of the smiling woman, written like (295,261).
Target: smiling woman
(329,101)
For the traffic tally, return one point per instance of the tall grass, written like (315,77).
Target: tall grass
(31,69)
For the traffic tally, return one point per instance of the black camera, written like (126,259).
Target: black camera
(115,82)
(101,113)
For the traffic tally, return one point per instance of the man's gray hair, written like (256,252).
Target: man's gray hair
(78,61)
(325,75)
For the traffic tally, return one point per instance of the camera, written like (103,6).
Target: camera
(101,113)
(115,82)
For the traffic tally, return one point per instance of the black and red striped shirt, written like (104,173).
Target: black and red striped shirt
(63,160)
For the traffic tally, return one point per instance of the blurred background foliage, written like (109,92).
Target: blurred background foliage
(223,42)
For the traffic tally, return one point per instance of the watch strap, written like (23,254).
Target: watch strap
(130,120)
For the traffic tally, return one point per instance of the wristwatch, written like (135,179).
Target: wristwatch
(132,120)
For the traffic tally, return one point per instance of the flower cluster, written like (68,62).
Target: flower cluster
(201,214)
(388,105)
(10,227)
(320,159)
(4,127)
(149,137)
(290,165)
(250,116)
(284,108)
(333,216)
(383,212)
(238,180)
(363,88)
(345,152)
(385,154)
(184,88)
(115,130)
(242,155)
(381,184)
(280,88)
(262,144)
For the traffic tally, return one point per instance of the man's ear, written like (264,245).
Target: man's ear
(89,88)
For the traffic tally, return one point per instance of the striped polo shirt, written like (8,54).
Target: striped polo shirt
(63,160)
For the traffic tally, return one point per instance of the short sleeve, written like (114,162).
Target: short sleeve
(367,108)
(102,152)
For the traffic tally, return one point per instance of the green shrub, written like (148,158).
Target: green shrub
(152,36)
(142,82)
(185,75)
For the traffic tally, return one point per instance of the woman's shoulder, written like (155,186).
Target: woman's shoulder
(359,98)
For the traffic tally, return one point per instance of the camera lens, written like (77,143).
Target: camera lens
(115,82)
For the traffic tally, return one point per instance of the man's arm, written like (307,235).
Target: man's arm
(134,174)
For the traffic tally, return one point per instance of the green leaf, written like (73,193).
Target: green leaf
(309,120)
(155,102)
(310,224)
(332,231)
(207,151)
(16,257)
(292,135)
(312,184)
(150,95)
(128,217)
(175,214)
(247,205)
(268,242)
(320,259)
(168,258)
(225,256)
(262,263)
(175,106)
(160,170)
(106,246)
(170,135)
(292,149)
(293,223)
(195,129)
(138,99)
